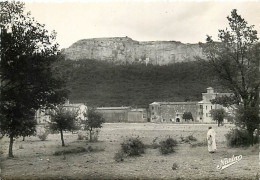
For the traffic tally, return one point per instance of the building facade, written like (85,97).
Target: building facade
(137,115)
(43,115)
(173,111)
(114,114)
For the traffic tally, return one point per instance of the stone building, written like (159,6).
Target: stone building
(123,114)
(205,105)
(137,115)
(114,114)
(43,115)
(173,111)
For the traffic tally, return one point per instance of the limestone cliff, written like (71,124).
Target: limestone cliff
(126,50)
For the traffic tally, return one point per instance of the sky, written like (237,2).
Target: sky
(185,21)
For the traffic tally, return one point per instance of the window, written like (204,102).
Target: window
(206,107)
(206,114)
(211,107)
(201,107)
(152,108)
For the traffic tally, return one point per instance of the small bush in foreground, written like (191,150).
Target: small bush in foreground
(133,147)
(78,150)
(191,138)
(43,135)
(188,139)
(119,156)
(167,146)
(82,136)
(174,166)
(237,138)
(95,135)
(70,151)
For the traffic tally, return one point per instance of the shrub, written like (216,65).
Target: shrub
(119,156)
(70,151)
(90,149)
(188,139)
(174,166)
(43,135)
(133,147)
(82,136)
(167,146)
(237,138)
(95,135)
(191,138)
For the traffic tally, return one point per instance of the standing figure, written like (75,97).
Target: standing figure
(211,137)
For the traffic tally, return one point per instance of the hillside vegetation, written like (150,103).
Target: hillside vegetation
(100,83)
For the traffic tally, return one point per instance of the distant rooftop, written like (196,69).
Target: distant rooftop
(174,103)
(73,105)
(138,109)
(113,108)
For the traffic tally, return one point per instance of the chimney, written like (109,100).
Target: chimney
(67,102)
(210,90)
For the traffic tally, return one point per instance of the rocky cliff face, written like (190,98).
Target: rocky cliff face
(126,50)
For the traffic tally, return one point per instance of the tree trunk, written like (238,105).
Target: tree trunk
(23,138)
(218,123)
(90,135)
(11,146)
(251,136)
(62,140)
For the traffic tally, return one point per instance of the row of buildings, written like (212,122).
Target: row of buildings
(111,114)
(158,112)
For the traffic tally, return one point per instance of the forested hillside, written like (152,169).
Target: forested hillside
(101,83)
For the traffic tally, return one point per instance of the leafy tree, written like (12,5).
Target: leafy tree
(30,122)
(235,61)
(28,81)
(187,116)
(248,118)
(93,120)
(63,120)
(218,115)
(226,101)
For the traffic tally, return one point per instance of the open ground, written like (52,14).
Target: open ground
(35,159)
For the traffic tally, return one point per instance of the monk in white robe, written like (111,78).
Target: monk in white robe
(211,137)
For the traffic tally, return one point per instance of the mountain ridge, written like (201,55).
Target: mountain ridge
(123,50)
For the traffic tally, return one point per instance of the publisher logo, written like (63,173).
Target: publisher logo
(226,162)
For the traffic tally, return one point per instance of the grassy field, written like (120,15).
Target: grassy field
(34,159)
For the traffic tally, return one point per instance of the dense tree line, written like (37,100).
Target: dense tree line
(101,83)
